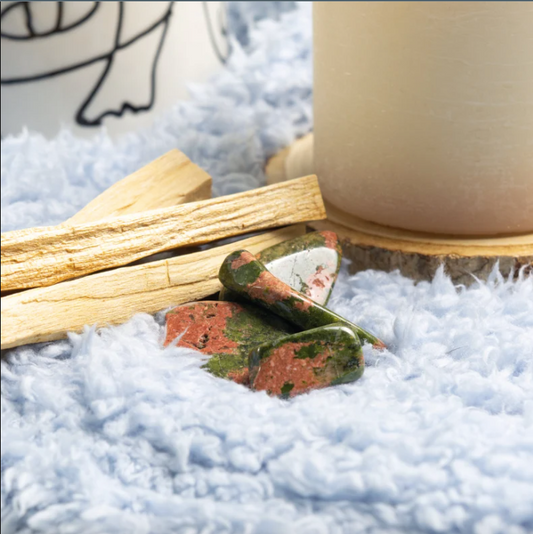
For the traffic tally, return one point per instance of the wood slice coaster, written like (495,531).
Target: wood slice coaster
(416,254)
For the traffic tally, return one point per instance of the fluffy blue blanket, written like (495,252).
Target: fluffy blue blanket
(108,432)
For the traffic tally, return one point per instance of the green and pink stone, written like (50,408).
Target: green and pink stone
(226,331)
(244,274)
(310,264)
(260,329)
(313,359)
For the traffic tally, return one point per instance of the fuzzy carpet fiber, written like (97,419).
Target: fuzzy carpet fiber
(108,432)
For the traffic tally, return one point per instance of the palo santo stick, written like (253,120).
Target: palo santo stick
(167,181)
(44,256)
(112,297)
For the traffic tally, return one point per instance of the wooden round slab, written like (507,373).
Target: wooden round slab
(415,254)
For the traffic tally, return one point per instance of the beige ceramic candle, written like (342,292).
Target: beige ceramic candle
(424,113)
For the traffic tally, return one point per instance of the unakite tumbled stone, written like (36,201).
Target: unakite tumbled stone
(243,273)
(310,264)
(226,331)
(313,359)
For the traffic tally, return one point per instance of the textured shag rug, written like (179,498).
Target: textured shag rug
(108,432)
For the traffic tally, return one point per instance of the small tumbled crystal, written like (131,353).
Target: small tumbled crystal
(313,359)
(226,331)
(243,273)
(310,264)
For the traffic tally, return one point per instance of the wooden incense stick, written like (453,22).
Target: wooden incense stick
(167,181)
(112,297)
(44,256)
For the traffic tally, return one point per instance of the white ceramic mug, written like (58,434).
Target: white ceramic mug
(424,113)
(112,64)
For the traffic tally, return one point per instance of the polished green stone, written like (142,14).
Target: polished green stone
(310,264)
(243,273)
(226,331)
(308,360)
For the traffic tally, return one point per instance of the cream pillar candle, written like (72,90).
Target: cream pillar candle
(424,113)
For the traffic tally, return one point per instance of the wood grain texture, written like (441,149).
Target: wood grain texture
(167,181)
(416,254)
(112,297)
(420,261)
(44,256)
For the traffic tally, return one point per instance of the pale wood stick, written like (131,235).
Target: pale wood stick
(44,256)
(112,297)
(167,181)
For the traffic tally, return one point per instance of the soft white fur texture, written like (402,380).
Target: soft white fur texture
(109,433)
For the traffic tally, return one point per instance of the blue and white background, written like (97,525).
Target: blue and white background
(108,432)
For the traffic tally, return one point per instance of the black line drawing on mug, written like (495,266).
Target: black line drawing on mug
(107,58)
(32,33)
(223,30)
